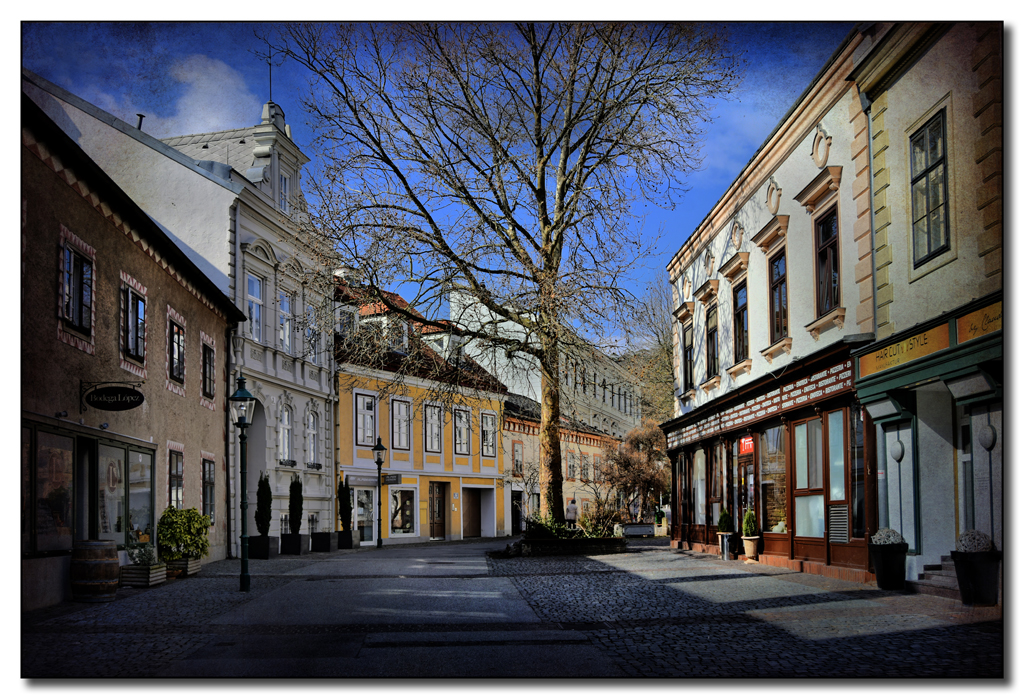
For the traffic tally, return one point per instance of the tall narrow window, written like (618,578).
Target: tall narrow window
(741,331)
(255,298)
(711,329)
(176,351)
(688,358)
(282,193)
(77,302)
(930,209)
(777,291)
(432,428)
(809,500)
(585,467)
(571,459)
(209,484)
(284,444)
(827,239)
(488,441)
(401,424)
(176,482)
(313,438)
(209,372)
(284,329)
(517,458)
(366,432)
(461,432)
(312,336)
(135,326)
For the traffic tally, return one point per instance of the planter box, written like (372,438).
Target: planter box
(573,547)
(638,529)
(263,548)
(890,564)
(348,539)
(187,566)
(977,576)
(294,544)
(323,542)
(143,576)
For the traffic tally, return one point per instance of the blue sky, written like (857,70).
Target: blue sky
(198,77)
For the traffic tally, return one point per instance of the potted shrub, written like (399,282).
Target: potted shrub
(750,535)
(183,539)
(323,541)
(263,546)
(145,569)
(725,534)
(888,553)
(977,568)
(294,543)
(345,515)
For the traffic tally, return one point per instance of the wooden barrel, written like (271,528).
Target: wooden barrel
(95,570)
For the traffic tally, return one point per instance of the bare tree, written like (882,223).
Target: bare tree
(649,352)
(501,163)
(638,469)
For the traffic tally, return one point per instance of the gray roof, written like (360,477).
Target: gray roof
(233,147)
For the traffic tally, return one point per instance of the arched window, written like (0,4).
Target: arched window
(284,447)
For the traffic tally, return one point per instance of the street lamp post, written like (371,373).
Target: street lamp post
(242,403)
(378,458)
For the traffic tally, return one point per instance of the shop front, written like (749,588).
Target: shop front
(792,451)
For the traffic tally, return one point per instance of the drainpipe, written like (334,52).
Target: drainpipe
(865,104)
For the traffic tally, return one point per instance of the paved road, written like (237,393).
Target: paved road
(450,611)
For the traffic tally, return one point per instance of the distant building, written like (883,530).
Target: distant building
(110,308)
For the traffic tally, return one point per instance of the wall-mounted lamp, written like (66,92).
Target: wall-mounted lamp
(62,413)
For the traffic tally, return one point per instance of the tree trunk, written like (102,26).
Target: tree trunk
(550,447)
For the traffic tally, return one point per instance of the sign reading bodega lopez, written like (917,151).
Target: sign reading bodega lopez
(114,398)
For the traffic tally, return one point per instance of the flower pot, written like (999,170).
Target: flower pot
(143,576)
(323,542)
(977,575)
(294,544)
(263,548)
(725,545)
(750,547)
(890,564)
(345,539)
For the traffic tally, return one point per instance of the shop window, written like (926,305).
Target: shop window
(461,427)
(697,488)
(773,480)
(255,300)
(857,474)
(488,433)
(135,326)
(110,494)
(401,424)
(827,243)
(779,320)
(176,481)
(432,428)
(140,496)
(366,431)
(403,509)
(54,484)
(809,503)
(741,332)
(836,457)
(930,208)
(209,483)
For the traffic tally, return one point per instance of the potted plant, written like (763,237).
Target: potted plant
(183,539)
(145,570)
(888,553)
(322,541)
(977,568)
(294,543)
(750,536)
(725,534)
(264,546)
(345,514)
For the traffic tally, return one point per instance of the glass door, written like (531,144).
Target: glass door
(365,516)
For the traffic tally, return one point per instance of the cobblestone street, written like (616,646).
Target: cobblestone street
(448,610)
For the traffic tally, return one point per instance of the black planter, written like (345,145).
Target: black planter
(977,575)
(323,542)
(344,539)
(263,547)
(890,563)
(294,544)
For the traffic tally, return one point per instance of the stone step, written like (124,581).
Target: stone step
(940,571)
(925,587)
(939,580)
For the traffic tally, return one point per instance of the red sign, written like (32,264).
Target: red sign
(747,444)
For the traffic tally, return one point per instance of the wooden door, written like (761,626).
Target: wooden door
(517,512)
(437,505)
(470,512)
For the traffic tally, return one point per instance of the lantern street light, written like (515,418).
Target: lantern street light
(242,405)
(378,458)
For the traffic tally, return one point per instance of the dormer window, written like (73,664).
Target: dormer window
(282,193)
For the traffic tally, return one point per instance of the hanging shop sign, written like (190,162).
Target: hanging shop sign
(114,398)
(905,351)
(391,479)
(747,444)
(980,322)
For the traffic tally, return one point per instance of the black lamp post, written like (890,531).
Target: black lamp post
(242,404)
(378,458)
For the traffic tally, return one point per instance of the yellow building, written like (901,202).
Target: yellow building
(439,416)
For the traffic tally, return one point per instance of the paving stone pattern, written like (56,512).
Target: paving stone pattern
(650,612)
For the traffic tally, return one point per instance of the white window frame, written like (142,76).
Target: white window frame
(401,426)
(488,438)
(312,336)
(285,302)
(312,434)
(432,428)
(462,434)
(366,419)
(284,183)
(517,457)
(255,306)
(284,434)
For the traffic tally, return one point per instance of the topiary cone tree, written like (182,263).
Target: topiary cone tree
(264,500)
(295,504)
(344,505)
